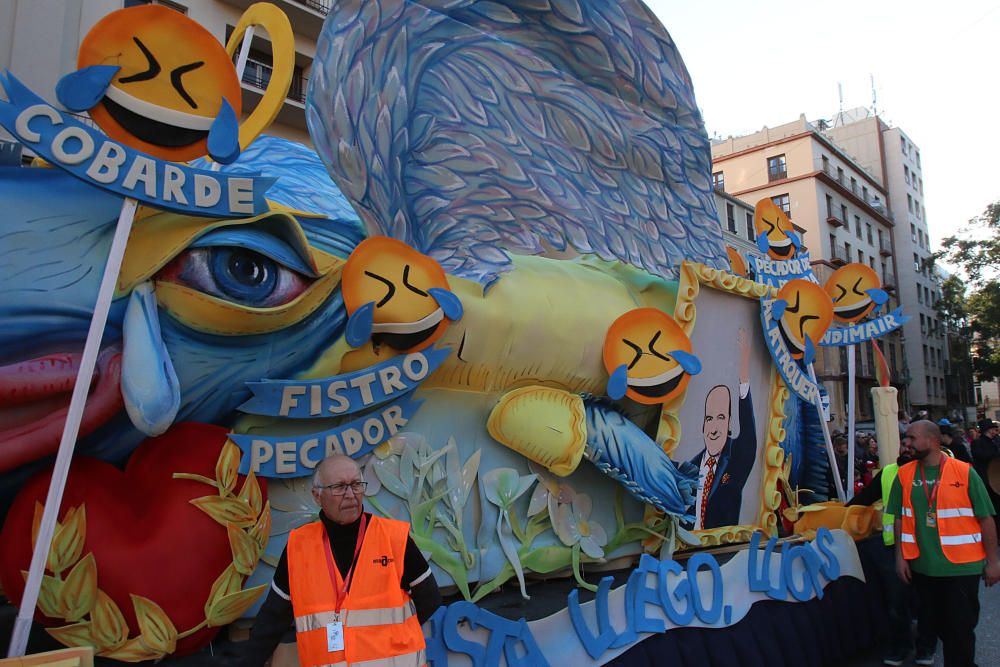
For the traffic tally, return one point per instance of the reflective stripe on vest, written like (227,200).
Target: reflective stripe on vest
(380,626)
(888,477)
(358,618)
(408,660)
(957,526)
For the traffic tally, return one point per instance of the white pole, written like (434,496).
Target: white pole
(826,438)
(241,60)
(241,65)
(22,624)
(850,421)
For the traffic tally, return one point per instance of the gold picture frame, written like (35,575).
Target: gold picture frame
(693,277)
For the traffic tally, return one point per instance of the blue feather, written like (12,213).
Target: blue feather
(762,243)
(879,296)
(623,451)
(224,135)
(472,131)
(778,309)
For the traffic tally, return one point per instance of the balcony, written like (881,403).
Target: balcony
(834,221)
(777,174)
(839,255)
(258,75)
(884,250)
(305,15)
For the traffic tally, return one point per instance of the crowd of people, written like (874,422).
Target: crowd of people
(939,530)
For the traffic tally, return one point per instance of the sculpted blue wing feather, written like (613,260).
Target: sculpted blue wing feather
(623,451)
(472,129)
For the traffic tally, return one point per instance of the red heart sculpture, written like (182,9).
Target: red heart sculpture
(146,537)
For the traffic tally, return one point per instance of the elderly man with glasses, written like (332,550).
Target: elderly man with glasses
(355,585)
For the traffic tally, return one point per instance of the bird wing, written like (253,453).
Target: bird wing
(469,128)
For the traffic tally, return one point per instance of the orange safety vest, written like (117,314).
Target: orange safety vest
(958,527)
(380,625)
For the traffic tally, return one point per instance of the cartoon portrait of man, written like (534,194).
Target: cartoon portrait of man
(725,463)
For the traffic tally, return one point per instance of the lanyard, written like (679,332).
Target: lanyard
(932,495)
(332,567)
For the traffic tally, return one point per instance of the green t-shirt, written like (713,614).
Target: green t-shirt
(932,561)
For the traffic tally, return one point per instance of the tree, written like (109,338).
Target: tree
(976,251)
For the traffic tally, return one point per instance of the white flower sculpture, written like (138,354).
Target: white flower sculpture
(573,526)
(503,486)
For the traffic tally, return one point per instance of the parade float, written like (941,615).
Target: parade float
(498,282)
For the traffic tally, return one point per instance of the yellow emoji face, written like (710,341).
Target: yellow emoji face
(804,311)
(856,291)
(648,357)
(172,77)
(775,234)
(396,296)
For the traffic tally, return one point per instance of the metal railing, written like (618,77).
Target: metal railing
(321,6)
(258,75)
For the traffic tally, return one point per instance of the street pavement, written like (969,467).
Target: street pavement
(987,635)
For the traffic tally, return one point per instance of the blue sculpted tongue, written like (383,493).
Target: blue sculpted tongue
(84,88)
(149,384)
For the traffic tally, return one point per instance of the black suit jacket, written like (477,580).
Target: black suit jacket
(725,497)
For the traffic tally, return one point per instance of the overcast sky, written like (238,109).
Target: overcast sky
(936,67)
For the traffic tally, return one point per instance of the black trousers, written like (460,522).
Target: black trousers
(952,607)
(899,599)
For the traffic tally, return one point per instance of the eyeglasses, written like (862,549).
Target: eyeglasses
(340,489)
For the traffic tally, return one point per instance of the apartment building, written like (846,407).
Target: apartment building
(61,25)
(893,159)
(843,209)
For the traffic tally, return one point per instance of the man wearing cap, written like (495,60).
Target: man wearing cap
(355,585)
(945,539)
(955,445)
(985,448)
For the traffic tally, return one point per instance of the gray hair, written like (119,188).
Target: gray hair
(329,460)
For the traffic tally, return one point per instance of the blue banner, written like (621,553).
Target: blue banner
(343,394)
(657,597)
(791,370)
(288,456)
(95,158)
(859,333)
(777,272)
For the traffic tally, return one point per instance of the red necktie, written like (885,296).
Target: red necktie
(709,478)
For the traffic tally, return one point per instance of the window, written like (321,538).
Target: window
(847,252)
(885,273)
(906,174)
(921,186)
(730,218)
(918,158)
(923,324)
(857,226)
(781,201)
(927,382)
(843,214)
(833,246)
(913,232)
(829,206)
(909,203)
(861,256)
(854,185)
(750,234)
(826,165)
(871,262)
(776,168)
(916,207)
(719,181)
(881,245)
(902,144)
(920,238)
(868,231)
(864,193)
(920,295)
(840,175)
